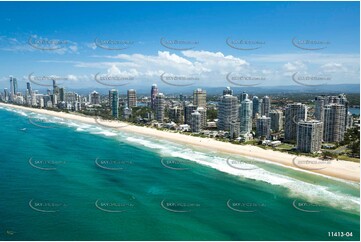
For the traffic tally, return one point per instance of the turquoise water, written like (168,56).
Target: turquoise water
(64,180)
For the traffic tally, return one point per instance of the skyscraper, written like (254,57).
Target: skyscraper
(203,112)
(11,96)
(54,100)
(159,105)
(255,102)
(94,98)
(227,111)
(11,84)
(55,96)
(332,99)
(319,108)
(276,120)
(294,113)
(153,93)
(321,101)
(188,110)
(243,96)
(114,102)
(245,116)
(309,136)
(234,130)
(15,83)
(200,98)
(349,119)
(61,94)
(228,90)
(196,121)
(343,101)
(266,106)
(55,88)
(28,88)
(131,98)
(6,95)
(13,88)
(263,125)
(334,123)
(176,114)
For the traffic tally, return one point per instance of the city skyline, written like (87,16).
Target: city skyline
(242,117)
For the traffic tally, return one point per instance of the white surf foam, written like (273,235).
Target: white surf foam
(310,192)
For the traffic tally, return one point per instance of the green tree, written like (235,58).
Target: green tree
(352,140)
(328,155)
(212,113)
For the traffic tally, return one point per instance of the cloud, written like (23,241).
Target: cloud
(73,48)
(192,62)
(333,68)
(292,67)
(72,78)
(313,58)
(115,71)
(36,43)
(213,57)
(92,45)
(213,67)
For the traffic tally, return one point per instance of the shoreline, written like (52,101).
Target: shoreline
(340,169)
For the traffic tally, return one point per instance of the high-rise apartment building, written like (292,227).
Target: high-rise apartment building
(243,96)
(203,113)
(94,98)
(294,113)
(114,102)
(153,93)
(276,120)
(309,136)
(265,106)
(188,110)
(131,98)
(200,98)
(159,106)
(334,122)
(227,111)
(245,116)
(255,107)
(263,126)
(228,91)
(196,123)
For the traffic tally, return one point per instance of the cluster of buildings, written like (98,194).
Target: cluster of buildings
(55,98)
(244,118)
(239,117)
(187,115)
(328,123)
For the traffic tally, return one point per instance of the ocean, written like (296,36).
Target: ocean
(65,180)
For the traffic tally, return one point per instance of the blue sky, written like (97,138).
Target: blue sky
(216,36)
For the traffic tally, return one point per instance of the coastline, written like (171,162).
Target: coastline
(345,170)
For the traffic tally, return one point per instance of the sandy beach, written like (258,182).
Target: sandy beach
(336,168)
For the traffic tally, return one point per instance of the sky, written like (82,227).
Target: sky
(135,44)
